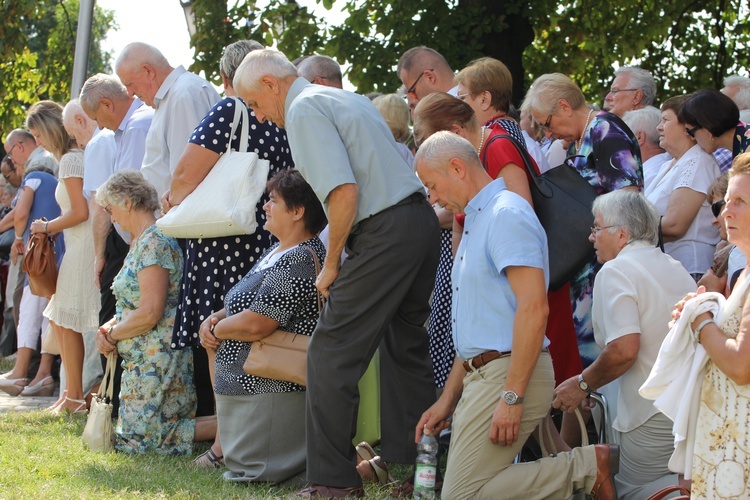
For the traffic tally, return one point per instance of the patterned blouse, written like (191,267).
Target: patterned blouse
(285,292)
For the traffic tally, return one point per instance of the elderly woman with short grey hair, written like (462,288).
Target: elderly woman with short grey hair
(219,263)
(634,294)
(157,399)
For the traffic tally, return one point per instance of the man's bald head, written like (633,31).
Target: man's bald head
(78,125)
(142,68)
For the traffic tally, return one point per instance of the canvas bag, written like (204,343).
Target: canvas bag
(224,203)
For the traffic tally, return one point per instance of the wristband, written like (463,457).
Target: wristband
(697,331)
(19,238)
(108,336)
(45,226)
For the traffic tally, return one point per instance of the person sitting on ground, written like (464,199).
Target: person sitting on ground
(679,193)
(634,293)
(262,421)
(502,271)
(157,397)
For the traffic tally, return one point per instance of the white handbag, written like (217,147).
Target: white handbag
(224,203)
(99,433)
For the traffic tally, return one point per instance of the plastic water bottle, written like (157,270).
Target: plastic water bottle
(426,470)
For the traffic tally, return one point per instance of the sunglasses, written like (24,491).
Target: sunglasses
(716,207)
(411,91)
(691,132)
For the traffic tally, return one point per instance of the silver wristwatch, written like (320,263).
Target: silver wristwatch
(584,386)
(511,398)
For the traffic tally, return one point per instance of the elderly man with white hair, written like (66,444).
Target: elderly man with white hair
(180,99)
(379,295)
(632,88)
(737,88)
(643,123)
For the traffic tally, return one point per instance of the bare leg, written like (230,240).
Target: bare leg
(60,341)
(205,428)
(23,360)
(216,447)
(71,350)
(571,429)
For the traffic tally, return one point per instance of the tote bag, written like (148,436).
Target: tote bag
(224,203)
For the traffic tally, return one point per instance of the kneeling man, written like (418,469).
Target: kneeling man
(500,387)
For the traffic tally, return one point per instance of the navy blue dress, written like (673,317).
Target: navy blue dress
(214,265)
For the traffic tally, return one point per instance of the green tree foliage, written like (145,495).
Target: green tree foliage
(37,47)
(687,44)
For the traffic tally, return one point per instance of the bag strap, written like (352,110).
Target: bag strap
(527,162)
(240,111)
(319,295)
(109,376)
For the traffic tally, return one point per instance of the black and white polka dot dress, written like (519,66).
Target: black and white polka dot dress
(285,292)
(442,351)
(214,265)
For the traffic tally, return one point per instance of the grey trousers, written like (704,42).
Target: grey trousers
(380,298)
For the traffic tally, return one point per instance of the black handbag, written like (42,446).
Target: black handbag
(562,202)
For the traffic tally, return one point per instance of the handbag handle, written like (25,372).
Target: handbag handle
(316,262)
(240,111)
(109,371)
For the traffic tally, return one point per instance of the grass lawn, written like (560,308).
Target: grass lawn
(42,456)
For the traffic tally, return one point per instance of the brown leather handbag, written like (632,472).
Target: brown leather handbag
(40,265)
(282,355)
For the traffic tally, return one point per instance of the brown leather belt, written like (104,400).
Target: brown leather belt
(477,362)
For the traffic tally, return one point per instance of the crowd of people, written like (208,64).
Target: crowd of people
(403,224)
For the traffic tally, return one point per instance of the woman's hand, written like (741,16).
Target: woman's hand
(17,248)
(678,307)
(206,334)
(165,205)
(38,226)
(103,345)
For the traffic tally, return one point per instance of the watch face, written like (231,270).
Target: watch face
(510,397)
(583,385)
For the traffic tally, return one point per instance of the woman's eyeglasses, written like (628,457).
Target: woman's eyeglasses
(691,131)
(716,207)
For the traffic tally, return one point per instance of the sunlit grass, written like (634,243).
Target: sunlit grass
(42,456)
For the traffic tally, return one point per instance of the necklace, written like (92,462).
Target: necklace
(143,229)
(580,139)
(481,141)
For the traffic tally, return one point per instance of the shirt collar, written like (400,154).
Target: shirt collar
(294,90)
(137,103)
(636,245)
(484,197)
(168,82)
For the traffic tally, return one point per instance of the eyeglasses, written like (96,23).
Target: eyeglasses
(463,96)
(615,91)
(12,148)
(108,208)
(546,124)
(595,230)
(411,90)
(716,207)
(12,169)
(691,132)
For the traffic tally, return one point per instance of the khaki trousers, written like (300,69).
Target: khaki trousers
(477,468)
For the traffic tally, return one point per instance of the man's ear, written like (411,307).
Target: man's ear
(269,82)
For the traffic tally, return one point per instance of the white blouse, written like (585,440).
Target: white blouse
(696,170)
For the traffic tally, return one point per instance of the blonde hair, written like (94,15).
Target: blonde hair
(548,89)
(46,118)
(491,75)
(396,113)
(740,165)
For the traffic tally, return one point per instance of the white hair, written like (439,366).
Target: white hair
(259,63)
(101,86)
(642,80)
(742,97)
(438,150)
(644,120)
(628,210)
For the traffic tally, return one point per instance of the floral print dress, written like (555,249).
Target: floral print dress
(609,159)
(157,397)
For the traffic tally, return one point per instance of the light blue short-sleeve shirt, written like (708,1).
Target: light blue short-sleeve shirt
(501,230)
(339,137)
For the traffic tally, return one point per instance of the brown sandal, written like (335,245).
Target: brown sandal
(209,459)
(320,491)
